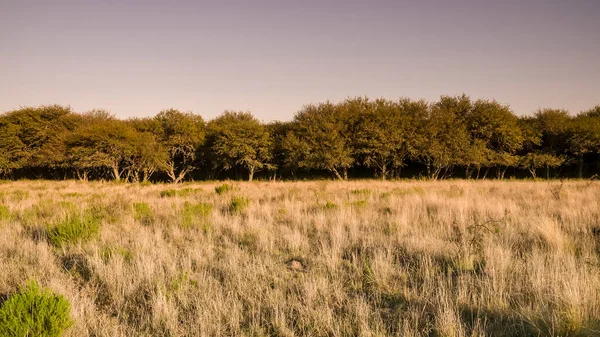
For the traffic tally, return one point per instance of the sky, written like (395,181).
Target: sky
(271,57)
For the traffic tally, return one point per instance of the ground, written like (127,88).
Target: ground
(359,258)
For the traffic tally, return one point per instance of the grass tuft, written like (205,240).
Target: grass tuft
(72,230)
(142,213)
(238,205)
(34,311)
(193,212)
(223,188)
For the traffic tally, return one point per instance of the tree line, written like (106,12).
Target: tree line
(360,137)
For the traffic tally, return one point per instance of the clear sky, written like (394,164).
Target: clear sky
(271,57)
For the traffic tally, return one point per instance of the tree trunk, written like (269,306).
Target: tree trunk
(532,171)
(478,171)
(580,167)
(383,171)
(251,173)
(547,172)
(337,174)
(82,175)
(115,172)
(487,170)
(345,173)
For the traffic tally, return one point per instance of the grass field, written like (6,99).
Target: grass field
(363,258)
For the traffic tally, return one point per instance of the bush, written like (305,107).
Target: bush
(34,311)
(223,188)
(238,204)
(73,230)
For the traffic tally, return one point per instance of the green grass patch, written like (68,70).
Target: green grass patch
(184,192)
(361,191)
(19,195)
(223,188)
(358,203)
(109,252)
(72,195)
(238,204)
(72,230)
(4,213)
(402,191)
(193,213)
(330,205)
(142,213)
(34,311)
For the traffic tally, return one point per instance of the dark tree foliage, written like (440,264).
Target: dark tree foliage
(453,137)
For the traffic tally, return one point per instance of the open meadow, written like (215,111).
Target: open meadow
(321,258)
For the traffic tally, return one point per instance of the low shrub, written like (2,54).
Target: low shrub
(72,230)
(223,188)
(34,311)
(238,204)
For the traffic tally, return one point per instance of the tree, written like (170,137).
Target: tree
(181,135)
(33,137)
(327,139)
(584,136)
(237,138)
(443,135)
(382,136)
(533,161)
(101,142)
(496,126)
(285,147)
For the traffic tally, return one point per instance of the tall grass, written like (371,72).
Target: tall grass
(363,258)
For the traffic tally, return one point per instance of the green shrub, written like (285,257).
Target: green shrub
(192,212)
(72,230)
(142,213)
(238,204)
(223,188)
(34,311)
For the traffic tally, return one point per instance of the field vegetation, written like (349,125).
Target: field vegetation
(320,258)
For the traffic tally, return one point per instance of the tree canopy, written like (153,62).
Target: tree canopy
(452,137)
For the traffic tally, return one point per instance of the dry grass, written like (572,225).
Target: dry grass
(370,258)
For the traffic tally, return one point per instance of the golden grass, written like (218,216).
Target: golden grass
(364,258)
